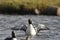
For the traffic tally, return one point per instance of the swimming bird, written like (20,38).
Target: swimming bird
(31,30)
(13,37)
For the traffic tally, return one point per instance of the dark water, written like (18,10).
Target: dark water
(9,21)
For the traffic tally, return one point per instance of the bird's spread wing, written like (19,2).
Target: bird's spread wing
(17,27)
(42,27)
(20,27)
(23,28)
(39,27)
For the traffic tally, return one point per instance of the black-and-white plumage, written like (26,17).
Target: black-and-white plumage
(32,30)
(13,37)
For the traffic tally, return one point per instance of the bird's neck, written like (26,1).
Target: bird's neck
(31,26)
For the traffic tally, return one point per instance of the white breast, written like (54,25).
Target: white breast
(30,30)
(14,39)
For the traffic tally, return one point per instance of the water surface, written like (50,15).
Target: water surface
(10,21)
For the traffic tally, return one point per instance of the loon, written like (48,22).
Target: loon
(13,37)
(31,30)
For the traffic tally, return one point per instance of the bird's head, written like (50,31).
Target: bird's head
(29,21)
(13,34)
